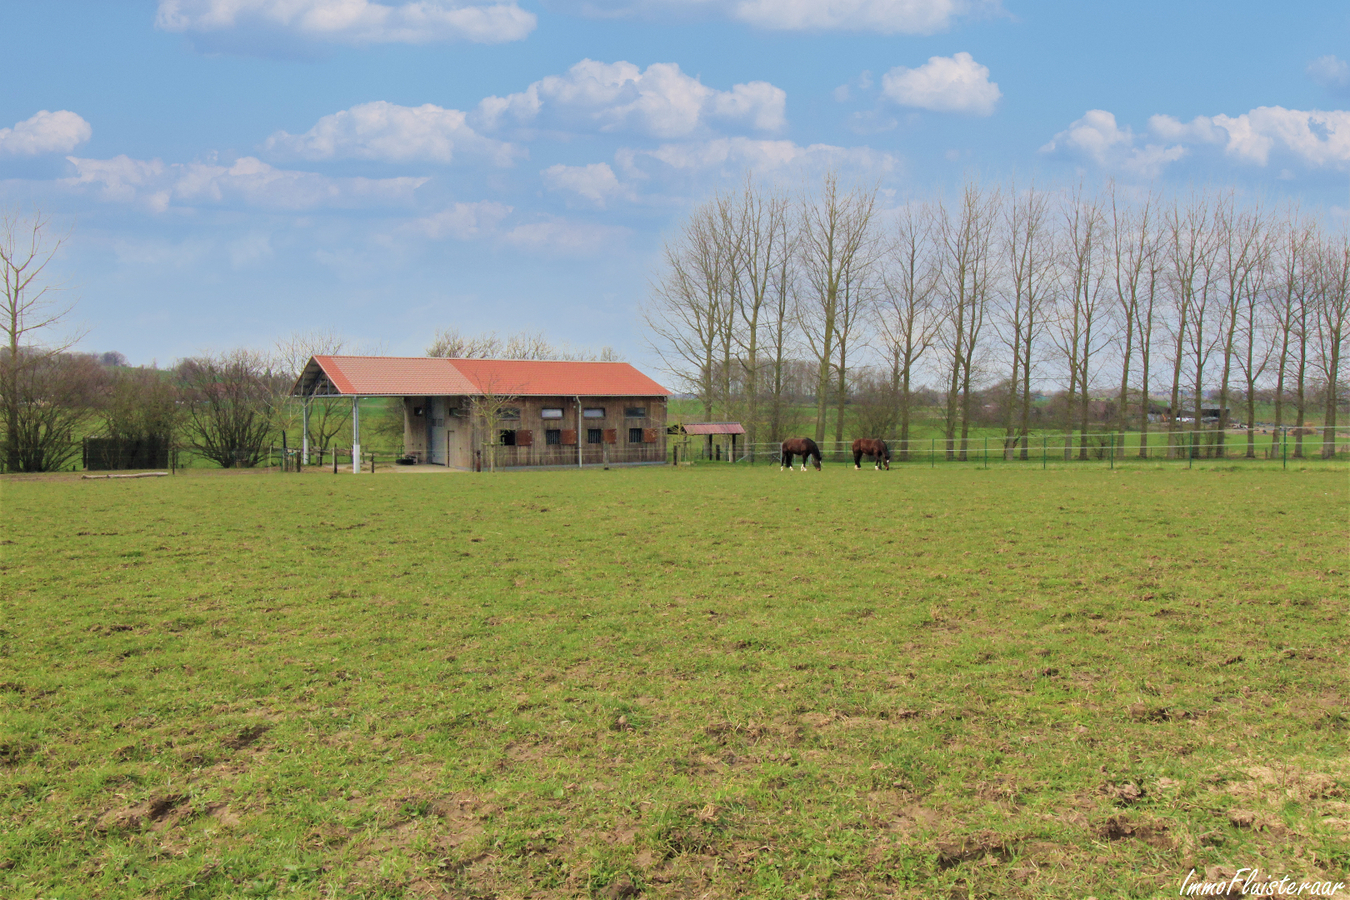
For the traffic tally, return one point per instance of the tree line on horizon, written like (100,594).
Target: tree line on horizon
(1112,303)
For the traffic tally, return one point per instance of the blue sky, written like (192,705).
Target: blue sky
(237,170)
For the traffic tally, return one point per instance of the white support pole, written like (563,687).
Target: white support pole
(304,435)
(578,432)
(356,435)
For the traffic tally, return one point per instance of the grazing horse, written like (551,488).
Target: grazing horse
(874,448)
(803,447)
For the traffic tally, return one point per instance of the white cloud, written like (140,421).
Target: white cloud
(565,237)
(730,157)
(250,250)
(596,183)
(661,102)
(944,83)
(1318,139)
(247,182)
(1330,72)
(487,220)
(47,132)
(353,21)
(464,221)
(879,16)
(1098,137)
(391,133)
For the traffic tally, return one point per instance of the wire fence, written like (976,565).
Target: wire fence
(1107,448)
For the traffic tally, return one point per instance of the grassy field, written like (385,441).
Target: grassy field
(710,681)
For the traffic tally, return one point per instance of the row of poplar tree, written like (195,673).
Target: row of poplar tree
(1144,301)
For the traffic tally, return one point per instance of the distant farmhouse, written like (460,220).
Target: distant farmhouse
(524,412)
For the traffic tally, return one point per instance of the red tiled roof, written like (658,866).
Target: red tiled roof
(420,376)
(556,378)
(713,428)
(398,376)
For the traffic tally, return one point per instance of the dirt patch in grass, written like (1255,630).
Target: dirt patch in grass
(246,737)
(154,809)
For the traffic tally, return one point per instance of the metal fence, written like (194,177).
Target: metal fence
(1108,448)
(559,455)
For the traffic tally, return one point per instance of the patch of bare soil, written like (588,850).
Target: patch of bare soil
(246,737)
(1147,712)
(1261,790)
(1119,828)
(985,846)
(154,809)
(1123,794)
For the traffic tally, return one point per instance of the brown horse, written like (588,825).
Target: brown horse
(803,447)
(873,447)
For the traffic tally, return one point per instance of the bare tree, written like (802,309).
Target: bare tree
(489,409)
(1204,287)
(1189,237)
(1083,304)
(1291,305)
(28,310)
(1131,249)
(451,343)
(141,405)
(1254,342)
(322,419)
(837,247)
(753,231)
(780,330)
(54,394)
(1244,241)
(687,312)
(1027,249)
(1333,315)
(907,316)
(966,241)
(229,405)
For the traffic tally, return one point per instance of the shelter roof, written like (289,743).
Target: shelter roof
(713,428)
(413,376)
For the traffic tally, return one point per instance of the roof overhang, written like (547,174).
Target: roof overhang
(421,376)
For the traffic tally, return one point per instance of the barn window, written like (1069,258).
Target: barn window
(594,435)
(553,437)
(635,435)
(551,412)
(509,412)
(593,412)
(417,411)
(635,412)
(508,438)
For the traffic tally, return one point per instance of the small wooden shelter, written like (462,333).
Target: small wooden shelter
(713,429)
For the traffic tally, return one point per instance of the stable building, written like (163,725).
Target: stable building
(463,413)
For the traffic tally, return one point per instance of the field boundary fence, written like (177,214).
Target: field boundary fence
(1105,448)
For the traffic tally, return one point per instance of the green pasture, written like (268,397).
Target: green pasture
(707,681)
